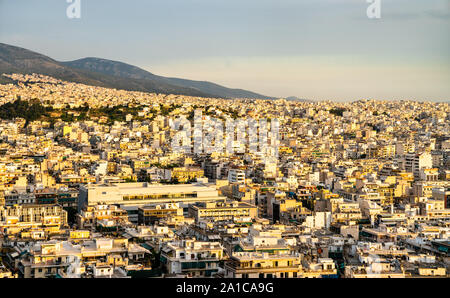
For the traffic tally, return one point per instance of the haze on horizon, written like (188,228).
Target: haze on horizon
(315,49)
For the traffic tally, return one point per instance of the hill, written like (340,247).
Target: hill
(123,70)
(109,74)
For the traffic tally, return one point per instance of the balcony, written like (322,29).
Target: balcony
(51,263)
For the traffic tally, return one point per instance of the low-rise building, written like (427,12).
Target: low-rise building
(192,258)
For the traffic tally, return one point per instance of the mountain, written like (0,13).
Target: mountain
(18,60)
(109,74)
(123,70)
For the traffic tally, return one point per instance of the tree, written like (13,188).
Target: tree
(30,111)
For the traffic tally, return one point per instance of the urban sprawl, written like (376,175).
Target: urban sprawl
(92,185)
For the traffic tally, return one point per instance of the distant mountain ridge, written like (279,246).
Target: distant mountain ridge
(123,70)
(110,74)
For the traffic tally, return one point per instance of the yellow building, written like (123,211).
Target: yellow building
(432,271)
(90,215)
(80,234)
(67,130)
(185,174)
(4,273)
(149,215)
(32,218)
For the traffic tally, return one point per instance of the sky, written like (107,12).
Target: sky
(314,49)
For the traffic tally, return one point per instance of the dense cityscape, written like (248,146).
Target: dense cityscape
(92,187)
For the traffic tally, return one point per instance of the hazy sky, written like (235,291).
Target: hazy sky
(316,49)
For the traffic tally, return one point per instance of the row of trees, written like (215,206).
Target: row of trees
(33,110)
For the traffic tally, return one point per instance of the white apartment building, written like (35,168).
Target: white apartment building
(319,220)
(192,258)
(236,176)
(415,162)
(131,196)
